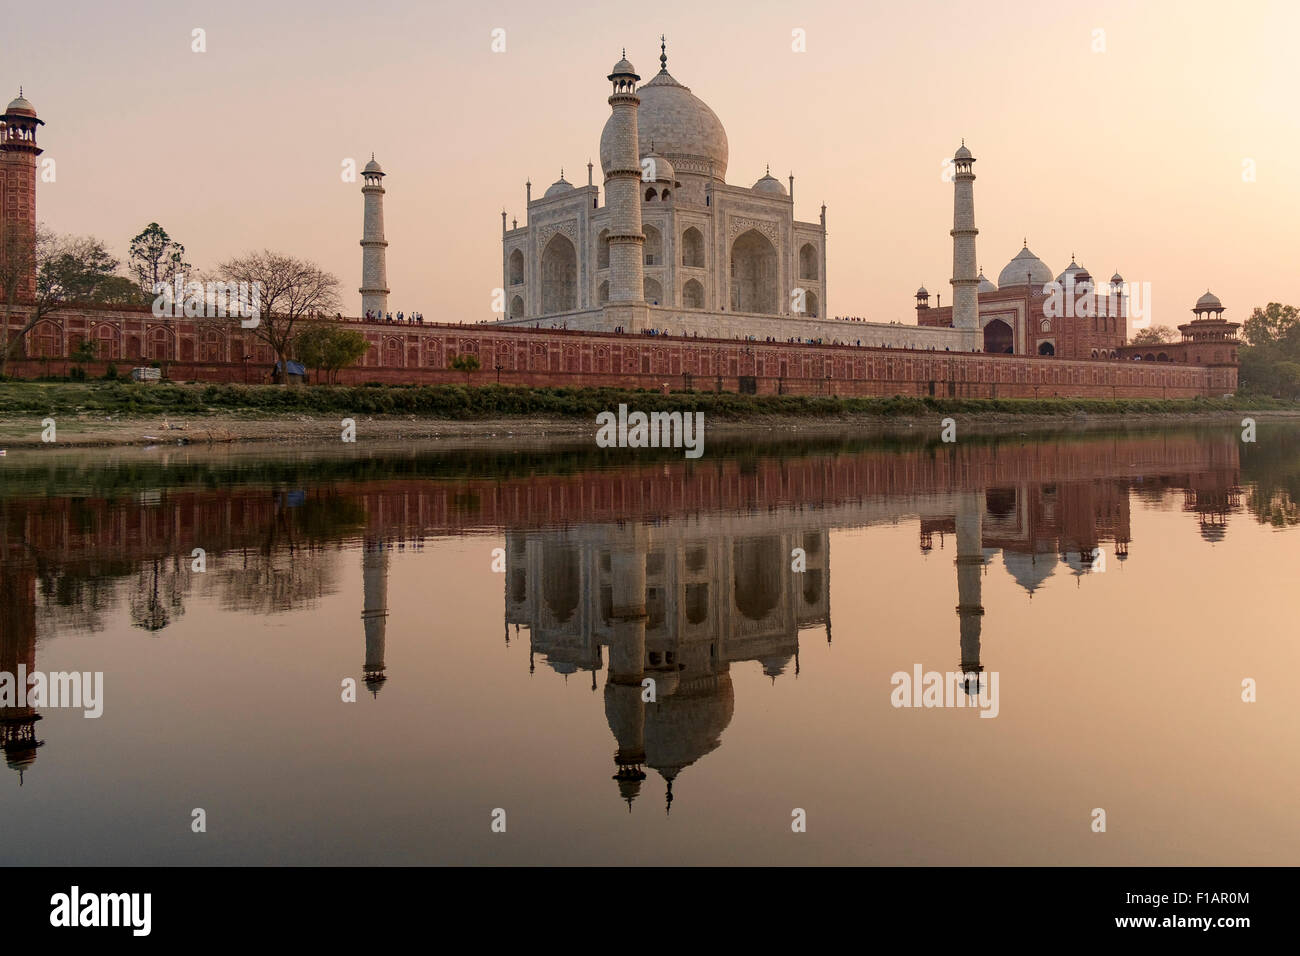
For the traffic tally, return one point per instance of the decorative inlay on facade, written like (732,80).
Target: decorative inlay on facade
(739,224)
(569,228)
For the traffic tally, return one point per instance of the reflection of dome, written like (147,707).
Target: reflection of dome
(774,665)
(559,187)
(770,185)
(1025,262)
(1029,570)
(679,123)
(682,728)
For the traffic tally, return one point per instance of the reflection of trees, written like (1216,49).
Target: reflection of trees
(1271,466)
(77,599)
(291,566)
(272,580)
(158,594)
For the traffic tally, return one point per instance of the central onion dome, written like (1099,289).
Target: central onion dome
(682,127)
(1025,263)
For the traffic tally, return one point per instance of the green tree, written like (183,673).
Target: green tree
(325,346)
(69,270)
(291,290)
(466,363)
(1155,335)
(1271,350)
(155,258)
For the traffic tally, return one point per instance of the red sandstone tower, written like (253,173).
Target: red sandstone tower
(18,152)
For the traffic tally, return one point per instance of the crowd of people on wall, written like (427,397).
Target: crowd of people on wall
(415,318)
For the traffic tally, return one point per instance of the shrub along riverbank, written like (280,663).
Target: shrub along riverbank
(493,401)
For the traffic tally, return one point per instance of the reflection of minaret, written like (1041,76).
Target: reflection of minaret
(624,707)
(374,582)
(18,648)
(970,566)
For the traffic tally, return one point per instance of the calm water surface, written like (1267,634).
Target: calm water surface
(499,610)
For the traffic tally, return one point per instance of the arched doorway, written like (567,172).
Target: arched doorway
(517,307)
(516,267)
(654,244)
(693,294)
(559,276)
(654,293)
(1047,348)
(999,338)
(693,248)
(808,261)
(754,274)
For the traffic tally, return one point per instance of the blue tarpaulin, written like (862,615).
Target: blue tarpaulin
(295,368)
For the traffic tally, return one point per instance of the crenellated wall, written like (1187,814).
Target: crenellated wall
(553,357)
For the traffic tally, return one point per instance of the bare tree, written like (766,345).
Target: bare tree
(290,289)
(69,270)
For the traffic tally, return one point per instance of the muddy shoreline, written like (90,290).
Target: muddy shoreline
(93,431)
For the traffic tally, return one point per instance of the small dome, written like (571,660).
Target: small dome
(770,185)
(1117,278)
(623,67)
(1025,263)
(559,187)
(373,167)
(986,284)
(660,170)
(962,152)
(923,292)
(1207,302)
(20,105)
(1073,269)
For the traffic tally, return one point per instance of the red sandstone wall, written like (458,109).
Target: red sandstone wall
(403,354)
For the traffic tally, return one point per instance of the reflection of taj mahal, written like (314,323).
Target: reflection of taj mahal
(678,603)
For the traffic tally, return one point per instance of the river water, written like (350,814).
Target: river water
(412,655)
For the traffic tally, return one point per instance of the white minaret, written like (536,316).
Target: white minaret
(626,306)
(374,268)
(965,275)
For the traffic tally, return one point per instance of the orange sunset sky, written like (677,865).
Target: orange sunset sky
(1132,158)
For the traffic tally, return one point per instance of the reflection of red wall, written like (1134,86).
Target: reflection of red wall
(91,530)
(422,354)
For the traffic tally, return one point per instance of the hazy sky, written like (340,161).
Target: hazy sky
(1132,157)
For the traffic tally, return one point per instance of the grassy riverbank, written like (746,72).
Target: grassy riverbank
(130,413)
